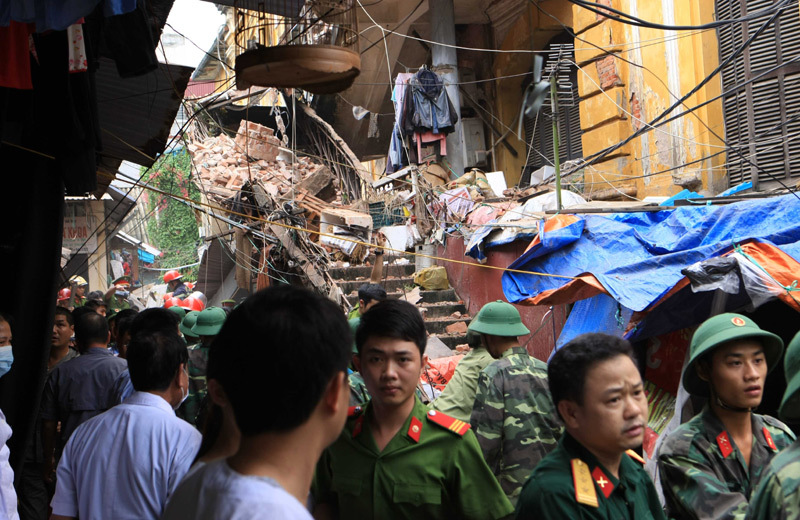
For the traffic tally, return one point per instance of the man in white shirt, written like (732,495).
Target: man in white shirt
(258,353)
(125,463)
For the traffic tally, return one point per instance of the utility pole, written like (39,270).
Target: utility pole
(445,63)
(556,160)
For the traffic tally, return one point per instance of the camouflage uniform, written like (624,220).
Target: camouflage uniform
(458,397)
(703,474)
(358,389)
(197,368)
(778,495)
(514,418)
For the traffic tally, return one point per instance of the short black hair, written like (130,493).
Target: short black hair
(566,372)
(155,319)
(371,291)
(264,342)
(154,357)
(125,322)
(66,313)
(91,328)
(80,311)
(94,304)
(393,319)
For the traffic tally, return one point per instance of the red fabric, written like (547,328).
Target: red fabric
(15,61)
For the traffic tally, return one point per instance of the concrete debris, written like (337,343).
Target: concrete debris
(225,165)
(458,327)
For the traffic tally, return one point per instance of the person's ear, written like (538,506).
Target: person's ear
(703,370)
(425,363)
(217,393)
(333,393)
(108,339)
(569,413)
(357,362)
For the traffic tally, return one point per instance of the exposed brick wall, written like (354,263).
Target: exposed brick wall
(606,3)
(607,72)
(636,110)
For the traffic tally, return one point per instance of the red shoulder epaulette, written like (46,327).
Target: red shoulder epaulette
(456,426)
(353,411)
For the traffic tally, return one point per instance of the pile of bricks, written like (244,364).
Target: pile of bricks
(223,166)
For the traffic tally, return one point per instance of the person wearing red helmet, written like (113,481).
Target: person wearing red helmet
(174,281)
(64,297)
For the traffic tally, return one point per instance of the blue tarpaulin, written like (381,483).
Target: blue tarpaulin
(638,257)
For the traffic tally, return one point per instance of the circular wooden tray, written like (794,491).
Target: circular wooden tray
(321,69)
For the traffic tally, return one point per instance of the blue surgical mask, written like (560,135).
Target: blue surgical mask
(6,359)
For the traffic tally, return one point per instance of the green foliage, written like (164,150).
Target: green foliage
(172,225)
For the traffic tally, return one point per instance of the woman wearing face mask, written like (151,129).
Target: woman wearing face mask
(8,497)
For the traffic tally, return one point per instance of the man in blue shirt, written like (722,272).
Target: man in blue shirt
(132,473)
(78,390)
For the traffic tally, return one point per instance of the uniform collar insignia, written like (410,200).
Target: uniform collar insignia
(414,429)
(768,438)
(603,482)
(724,443)
(359,424)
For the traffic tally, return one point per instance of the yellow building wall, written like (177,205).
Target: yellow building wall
(618,98)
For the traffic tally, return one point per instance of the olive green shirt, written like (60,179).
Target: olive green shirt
(549,493)
(458,396)
(438,474)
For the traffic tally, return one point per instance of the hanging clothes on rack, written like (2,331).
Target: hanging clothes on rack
(427,105)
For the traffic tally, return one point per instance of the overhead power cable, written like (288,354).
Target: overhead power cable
(629,19)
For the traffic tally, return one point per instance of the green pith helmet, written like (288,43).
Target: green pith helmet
(722,329)
(209,322)
(790,405)
(180,311)
(188,322)
(499,319)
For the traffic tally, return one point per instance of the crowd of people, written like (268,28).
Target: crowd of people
(162,414)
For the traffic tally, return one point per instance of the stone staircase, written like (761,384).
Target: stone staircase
(442,309)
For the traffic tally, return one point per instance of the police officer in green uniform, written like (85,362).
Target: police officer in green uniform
(593,474)
(395,458)
(78,286)
(207,325)
(710,465)
(778,495)
(117,297)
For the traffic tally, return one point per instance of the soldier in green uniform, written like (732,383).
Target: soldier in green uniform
(593,474)
(513,416)
(710,465)
(778,495)
(395,458)
(186,328)
(458,397)
(208,324)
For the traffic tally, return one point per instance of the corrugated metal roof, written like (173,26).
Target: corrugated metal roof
(136,114)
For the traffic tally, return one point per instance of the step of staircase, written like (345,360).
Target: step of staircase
(363,272)
(441,308)
(389,284)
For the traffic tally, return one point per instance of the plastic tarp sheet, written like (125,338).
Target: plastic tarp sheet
(636,258)
(596,314)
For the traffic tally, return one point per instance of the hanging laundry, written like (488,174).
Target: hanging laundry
(427,105)
(15,56)
(77,48)
(396,160)
(57,15)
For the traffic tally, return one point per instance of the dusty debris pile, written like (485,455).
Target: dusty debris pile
(224,165)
